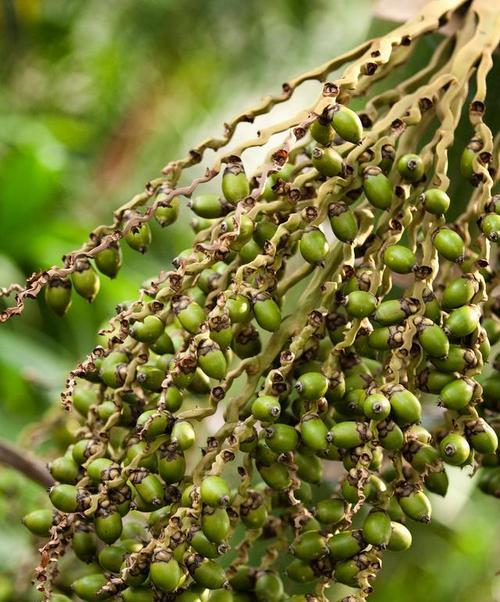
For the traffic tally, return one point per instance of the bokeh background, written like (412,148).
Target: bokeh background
(95,98)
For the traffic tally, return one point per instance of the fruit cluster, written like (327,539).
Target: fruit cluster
(345,330)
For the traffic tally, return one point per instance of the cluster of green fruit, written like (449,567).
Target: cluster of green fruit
(322,454)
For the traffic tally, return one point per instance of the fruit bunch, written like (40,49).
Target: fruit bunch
(338,331)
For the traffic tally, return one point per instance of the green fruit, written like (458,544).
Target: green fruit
(84,544)
(467,158)
(108,526)
(267,312)
(482,436)
(399,259)
(300,571)
(39,522)
(58,295)
(139,237)
(206,573)
(68,498)
(322,131)
(455,449)
(327,161)
(172,466)
(268,587)
(183,434)
(254,517)
(309,546)
(457,394)
(411,168)
(314,432)
(189,313)
(311,385)
(309,467)
(346,123)
(400,539)
(346,544)
(102,469)
(138,594)
(343,221)
(148,330)
(395,311)
(330,511)
(235,184)
(387,337)
(459,292)
(208,205)
(201,544)
(436,201)
(64,470)
(415,504)
(85,280)
(377,188)
(459,359)
(239,308)
(215,491)
(221,595)
(89,587)
(437,482)
(490,226)
(212,360)
(463,320)
(166,214)
(405,405)
(449,244)
(266,408)
(349,434)
(377,528)
(433,339)
(167,575)
(109,261)
(314,246)
(360,304)
(148,486)
(276,476)
(282,438)
(377,407)
(390,435)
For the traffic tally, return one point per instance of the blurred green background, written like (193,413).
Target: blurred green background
(96,98)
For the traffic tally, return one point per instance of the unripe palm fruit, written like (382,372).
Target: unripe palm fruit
(108,526)
(139,237)
(167,213)
(377,407)
(211,360)
(282,438)
(235,184)
(463,320)
(183,434)
(490,226)
(405,405)
(68,498)
(215,524)
(64,469)
(343,221)
(172,466)
(311,385)
(377,188)
(395,311)
(482,436)
(416,505)
(138,594)
(202,545)
(433,339)
(189,313)
(327,161)
(239,308)
(109,260)
(209,206)
(276,476)
(309,546)
(436,201)
(206,573)
(88,587)
(459,291)
(39,522)
(268,587)
(329,511)
(377,528)
(346,544)
(411,167)
(58,295)
(266,408)
(165,574)
(360,304)
(390,435)
(85,280)
(346,123)
(147,330)
(399,259)
(455,449)
(457,394)
(148,486)
(215,491)
(300,571)
(437,482)
(449,244)
(468,155)
(321,130)
(349,434)
(313,245)
(400,539)
(267,312)
(314,432)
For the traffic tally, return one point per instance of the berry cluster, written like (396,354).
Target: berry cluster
(344,329)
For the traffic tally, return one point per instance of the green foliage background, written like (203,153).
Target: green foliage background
(96,97)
